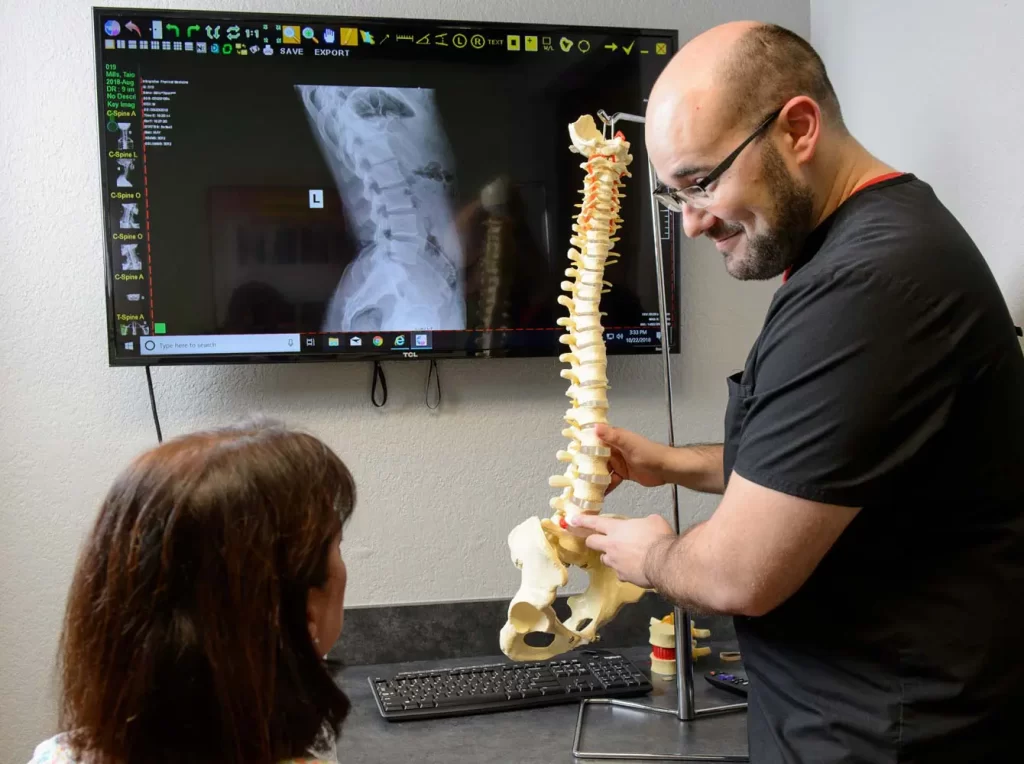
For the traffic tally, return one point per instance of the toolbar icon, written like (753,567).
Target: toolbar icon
(627,49)
(212,33)
(530,43)
(661,48)
(424,40)
(158,30)
(513,42)
(173,28)
(267,50)
(349,36)
(214,47)
(565,44)
(546,43)
(291,35)
(400,341)
(234,33)
(132,27)
(583,46)
(378,341)
(441,39)
(194,28)
(227,49)
(309,34)
(478,41)
(254,49)
(112,28)
(329,36)
(200,47)
(333,342)
(356,342)
(459,40)
(108,44)
(368,38)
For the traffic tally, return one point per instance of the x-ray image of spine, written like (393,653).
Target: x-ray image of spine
(124,141)
(493,298)
(394,169)
(128,213)
(130,258)
(122,179)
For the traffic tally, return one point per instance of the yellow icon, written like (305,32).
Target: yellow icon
(583,46)
(291,35)
(424,40)
(661,48)
(478,41)
(530,43)
(627,49)
(513,42)
(440,41)
(546,42)
(349,36)
(459,40)
(566,44)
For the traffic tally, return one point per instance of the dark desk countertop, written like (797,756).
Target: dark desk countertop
(542,735)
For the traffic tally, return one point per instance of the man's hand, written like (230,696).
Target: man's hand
(634,457)
(625,544)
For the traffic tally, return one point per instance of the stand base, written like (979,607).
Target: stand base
(633,756)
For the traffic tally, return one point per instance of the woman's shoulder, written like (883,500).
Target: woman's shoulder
(54,751)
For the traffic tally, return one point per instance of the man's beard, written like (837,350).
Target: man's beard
(769,254)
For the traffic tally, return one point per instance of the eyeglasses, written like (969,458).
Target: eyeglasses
(698,195)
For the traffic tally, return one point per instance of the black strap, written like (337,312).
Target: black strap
(378,378)
(433,372)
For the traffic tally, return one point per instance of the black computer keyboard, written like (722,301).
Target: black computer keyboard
(468,690)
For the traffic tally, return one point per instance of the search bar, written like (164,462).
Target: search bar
(220,344)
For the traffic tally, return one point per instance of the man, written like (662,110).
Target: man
(870,537)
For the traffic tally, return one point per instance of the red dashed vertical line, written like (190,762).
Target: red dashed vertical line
(145,194)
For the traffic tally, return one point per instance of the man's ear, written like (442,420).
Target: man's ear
(800,121)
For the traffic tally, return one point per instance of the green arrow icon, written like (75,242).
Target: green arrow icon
(611,46)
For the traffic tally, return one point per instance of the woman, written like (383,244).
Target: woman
(206,595)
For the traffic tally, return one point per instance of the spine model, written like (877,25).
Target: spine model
(544,549)
(586,477)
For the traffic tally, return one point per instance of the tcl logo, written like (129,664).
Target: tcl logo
(411,355)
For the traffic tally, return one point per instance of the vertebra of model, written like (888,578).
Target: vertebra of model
(390,158)
(543,549)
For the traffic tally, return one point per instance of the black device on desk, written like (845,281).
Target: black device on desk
(464,690)
(734,681)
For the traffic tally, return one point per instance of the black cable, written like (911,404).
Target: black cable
(152,405)
(433,372)
(378,377)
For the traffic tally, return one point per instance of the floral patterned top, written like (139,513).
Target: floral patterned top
(57,751)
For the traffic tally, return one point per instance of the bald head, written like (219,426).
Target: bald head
(732,77)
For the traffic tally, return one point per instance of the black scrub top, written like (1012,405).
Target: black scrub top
(888,376)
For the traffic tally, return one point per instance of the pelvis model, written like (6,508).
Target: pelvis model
(543,549)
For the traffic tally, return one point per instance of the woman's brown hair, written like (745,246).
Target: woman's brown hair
(185,636)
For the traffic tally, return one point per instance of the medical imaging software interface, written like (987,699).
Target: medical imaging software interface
(322,187)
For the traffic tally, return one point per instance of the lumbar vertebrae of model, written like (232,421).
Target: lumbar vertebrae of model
(543,549)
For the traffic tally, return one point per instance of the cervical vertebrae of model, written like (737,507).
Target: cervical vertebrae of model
(543,549)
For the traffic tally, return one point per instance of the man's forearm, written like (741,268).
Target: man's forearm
(678,570)
(698,467)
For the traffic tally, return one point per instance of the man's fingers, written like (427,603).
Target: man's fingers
(597,542)
(594,522)
(616,480)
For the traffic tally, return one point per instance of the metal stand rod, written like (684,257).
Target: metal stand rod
(685,710)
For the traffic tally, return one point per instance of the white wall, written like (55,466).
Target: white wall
(936,87)
(439,491)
